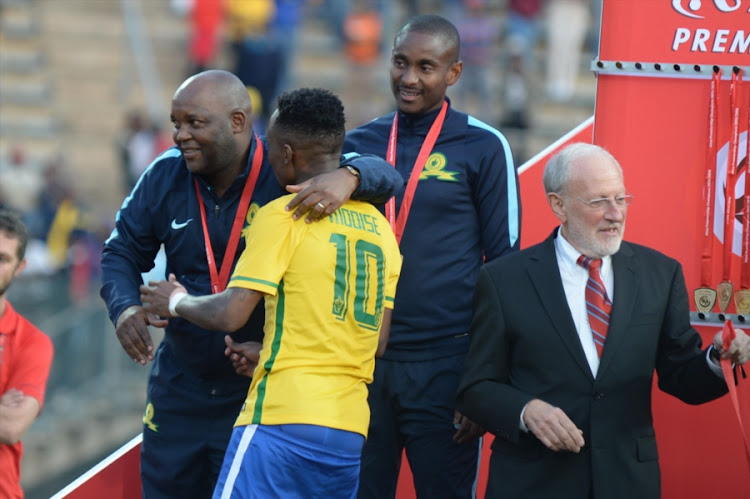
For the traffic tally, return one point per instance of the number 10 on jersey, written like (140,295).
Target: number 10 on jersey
(364,281)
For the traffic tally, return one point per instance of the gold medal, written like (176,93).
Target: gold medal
(705,299)
(742,301)
(724,290)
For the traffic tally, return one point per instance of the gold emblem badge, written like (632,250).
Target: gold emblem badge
(742,301)
(435,167)
(705,299)
(724,290)
(148,418)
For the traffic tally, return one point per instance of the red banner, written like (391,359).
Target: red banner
(676,31)
(657,126)
(116,477)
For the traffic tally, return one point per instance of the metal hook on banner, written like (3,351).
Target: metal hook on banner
(717,319)
(664,69)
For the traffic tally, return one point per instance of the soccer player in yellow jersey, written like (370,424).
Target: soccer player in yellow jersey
(329,289)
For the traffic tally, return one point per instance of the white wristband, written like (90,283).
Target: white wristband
(175,298)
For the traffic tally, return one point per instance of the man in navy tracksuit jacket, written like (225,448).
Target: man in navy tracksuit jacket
(465,210)
(194,394)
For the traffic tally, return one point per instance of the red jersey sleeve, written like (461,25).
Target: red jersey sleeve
(30,361)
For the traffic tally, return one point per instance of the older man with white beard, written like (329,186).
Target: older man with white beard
(565,338)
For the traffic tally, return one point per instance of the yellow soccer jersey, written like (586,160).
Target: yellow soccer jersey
(326,284)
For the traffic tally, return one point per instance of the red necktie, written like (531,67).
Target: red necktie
(598,305)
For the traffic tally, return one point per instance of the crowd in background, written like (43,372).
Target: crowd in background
(65,235)
(535,45)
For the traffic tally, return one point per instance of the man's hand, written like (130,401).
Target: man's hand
(12,398)
(244,356)
(156,295)
(467,429)
(552,426)
(17,412)
(132,331)
(322,194)
(738,351)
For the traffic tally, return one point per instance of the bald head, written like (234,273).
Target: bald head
(213,126)
(224,87)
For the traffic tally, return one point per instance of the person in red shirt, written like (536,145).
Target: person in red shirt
(25,360)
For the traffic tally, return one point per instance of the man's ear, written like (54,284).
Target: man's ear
(239,121)
(19,268)
(288,154)
(557,204)
(454,73)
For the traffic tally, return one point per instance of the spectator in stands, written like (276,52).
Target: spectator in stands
(334,12)
(516,117)
(139,143)
(25,360)
(195,200)
(258,55)
(55,222)
(283,30)
(21,182)
(523,27)
(567,25)
(362,34)
(520,63)
(306,413)
(480,34)
(55,190)
(205,22)
(515,94)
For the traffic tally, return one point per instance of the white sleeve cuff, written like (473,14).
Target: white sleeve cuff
(714,368)
(521,424)
(175,298)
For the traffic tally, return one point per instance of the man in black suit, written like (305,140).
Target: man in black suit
(573,419)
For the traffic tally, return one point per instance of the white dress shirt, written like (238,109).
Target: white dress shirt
(574,278)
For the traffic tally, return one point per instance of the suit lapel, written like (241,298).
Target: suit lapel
(545,277)
(626,281)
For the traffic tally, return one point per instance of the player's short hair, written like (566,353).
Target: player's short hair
(312,115)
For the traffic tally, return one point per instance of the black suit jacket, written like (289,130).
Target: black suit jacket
(524,345)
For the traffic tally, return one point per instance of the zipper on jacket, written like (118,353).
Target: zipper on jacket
(216,211)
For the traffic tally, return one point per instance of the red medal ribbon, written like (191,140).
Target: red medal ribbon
(734,90)
(708,194)
(219,280)
(398,223)
(732,379)
(745,269)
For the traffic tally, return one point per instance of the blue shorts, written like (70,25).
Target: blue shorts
(290,461)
